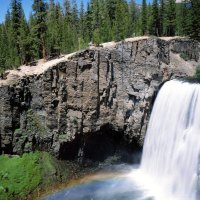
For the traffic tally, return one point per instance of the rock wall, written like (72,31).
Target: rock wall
(111,86)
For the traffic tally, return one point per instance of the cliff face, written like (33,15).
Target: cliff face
(110,88)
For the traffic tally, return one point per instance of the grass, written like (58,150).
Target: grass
(32,173)
(19,175)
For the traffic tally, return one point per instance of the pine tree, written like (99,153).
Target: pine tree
(19,33)
(161,17)
(82,19)
(105,23)
(121,22)
(137,22)
(65,40)
(88,23)
(12,59)
(144,17)
(74,16)
(54,28)
(16,15)
(150,19)
(3,48)
(25,42)
(133,15)
(170,17)
(100,23)
(74,26)
(195,18)
(191,17)
(94,6)
(39,27)
(70,26)
(83,39)
(155,18)
(186,18)
(111,7)
(67,9)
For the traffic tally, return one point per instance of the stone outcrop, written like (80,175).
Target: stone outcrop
(111,87)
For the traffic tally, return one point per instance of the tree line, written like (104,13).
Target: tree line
(54,29)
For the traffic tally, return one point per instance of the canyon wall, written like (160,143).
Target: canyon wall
(109,89)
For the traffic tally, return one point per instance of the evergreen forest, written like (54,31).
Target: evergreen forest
(53,29)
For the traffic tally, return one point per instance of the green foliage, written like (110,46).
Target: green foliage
(144,17)
(170,17)
(19,175)
(53,29)
(132,12)
(161,17)
(155,19)
(180,21)
(195,19)
(96,37)
(121,21)
(39,28)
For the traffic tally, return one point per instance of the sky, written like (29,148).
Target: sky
(5,4)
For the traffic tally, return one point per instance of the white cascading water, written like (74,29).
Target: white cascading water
(172,146)
(170,166)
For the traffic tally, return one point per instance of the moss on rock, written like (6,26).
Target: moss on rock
(19,175)
(22,175)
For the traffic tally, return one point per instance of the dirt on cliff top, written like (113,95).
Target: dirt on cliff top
(11,76)
(134,39)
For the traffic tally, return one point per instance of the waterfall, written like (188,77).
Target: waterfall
(172,145)
(170,166)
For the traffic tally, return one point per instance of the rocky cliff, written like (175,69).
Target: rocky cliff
(101,94)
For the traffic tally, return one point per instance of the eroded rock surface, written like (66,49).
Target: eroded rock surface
(114,87)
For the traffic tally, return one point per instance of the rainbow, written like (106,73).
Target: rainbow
(93,184)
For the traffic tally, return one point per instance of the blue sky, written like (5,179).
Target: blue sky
(5,4)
